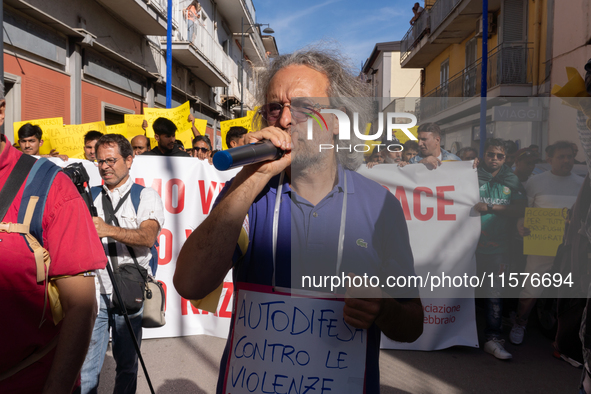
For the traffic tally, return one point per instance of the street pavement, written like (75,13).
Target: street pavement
(191,364)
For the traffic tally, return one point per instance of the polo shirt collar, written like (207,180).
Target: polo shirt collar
(338,188)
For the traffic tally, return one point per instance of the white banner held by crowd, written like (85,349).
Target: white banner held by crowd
(444,231)
(438,205)
(188,188)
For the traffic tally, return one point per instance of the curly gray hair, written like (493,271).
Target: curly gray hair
(345,91)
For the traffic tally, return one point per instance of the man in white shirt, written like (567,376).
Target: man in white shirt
(136,230)
(557,188)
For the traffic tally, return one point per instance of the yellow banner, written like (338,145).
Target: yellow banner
(49,126)
(120,128)
(179,116)
(245,122)
(70,139)
(546,226)
(134,125)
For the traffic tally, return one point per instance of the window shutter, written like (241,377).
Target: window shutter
(514,21)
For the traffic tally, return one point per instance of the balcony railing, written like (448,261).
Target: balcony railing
(429,20)
(250,9)
(206,44)
(162,5)
(414,34)
(508,64)
(440,10)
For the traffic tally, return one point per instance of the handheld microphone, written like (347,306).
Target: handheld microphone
(246,154)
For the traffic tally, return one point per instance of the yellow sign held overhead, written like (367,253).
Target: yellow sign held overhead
(546,226)
(134,125)
(70,139)
(246,122)
(49,126)
(201,126)
(179,116)
(120,128)
(186,137)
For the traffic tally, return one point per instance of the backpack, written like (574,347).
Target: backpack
(135,195)
(39,175)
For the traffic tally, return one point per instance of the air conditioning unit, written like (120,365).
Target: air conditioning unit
(491,25)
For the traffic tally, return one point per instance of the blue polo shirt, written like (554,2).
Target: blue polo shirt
(376,243)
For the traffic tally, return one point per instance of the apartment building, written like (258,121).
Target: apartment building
(93,60)
(529,44)
(397,87)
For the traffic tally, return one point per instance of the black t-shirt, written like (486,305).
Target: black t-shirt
(176,151)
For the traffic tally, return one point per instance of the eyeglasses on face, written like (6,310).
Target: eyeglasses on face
(204,150)
(300,111)
(492,155)
(110,161)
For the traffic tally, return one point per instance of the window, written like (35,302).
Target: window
(113,114)
(444,77)
(470,72)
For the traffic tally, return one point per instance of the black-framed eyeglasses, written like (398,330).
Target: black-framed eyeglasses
(300,111)
(203,150)
(492,155)
(110,161)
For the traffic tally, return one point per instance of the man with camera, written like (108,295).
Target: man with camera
(128,234)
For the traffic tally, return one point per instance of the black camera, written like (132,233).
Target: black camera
(77,173)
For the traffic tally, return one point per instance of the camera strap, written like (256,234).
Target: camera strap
(14,182)
(111,219)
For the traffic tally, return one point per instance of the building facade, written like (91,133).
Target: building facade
(394,89)
(525,58)
(93,60)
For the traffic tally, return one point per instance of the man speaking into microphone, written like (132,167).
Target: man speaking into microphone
(277,218)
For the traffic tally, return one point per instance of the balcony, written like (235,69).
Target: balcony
(509,74)
(194,47)
(236,10)
(447,22)
(149,18)
(253,46)
(414,34)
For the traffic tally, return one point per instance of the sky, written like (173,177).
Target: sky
(354,27)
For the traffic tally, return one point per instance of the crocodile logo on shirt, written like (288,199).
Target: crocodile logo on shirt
(361,243)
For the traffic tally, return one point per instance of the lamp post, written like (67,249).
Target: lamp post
(268,30)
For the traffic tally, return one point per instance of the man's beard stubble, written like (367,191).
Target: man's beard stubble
(306,155)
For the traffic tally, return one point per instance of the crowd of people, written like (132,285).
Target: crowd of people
(30,140)
(282,195)
(507,187)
